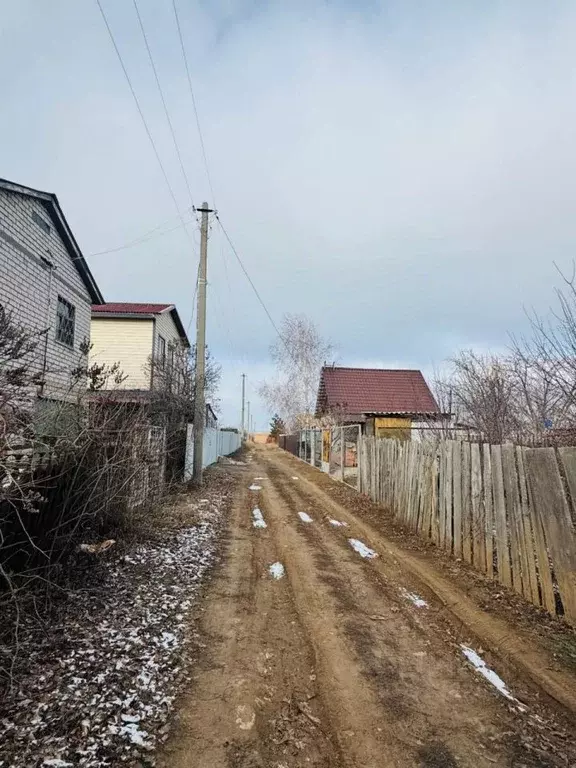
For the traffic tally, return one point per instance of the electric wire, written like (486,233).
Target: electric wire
(245,271)
(162,98)
(147,236)
(189,77)
(139,108)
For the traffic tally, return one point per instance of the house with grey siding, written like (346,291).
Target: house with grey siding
(46,284)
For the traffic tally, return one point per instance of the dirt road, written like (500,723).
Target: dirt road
(324,648)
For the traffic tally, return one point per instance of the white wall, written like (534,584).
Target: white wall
(30,287)
(216,443)
(125,341)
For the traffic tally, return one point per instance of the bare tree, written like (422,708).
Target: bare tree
(547,360)
(483,393)
(298,356)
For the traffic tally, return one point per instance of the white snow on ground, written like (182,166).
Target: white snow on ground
(54,762)
(276,570)
(338,523)
(418,601)
(362,549)
(259,478)
(99,691)
(294,478)
(494,679)
(258,521)
(255,487)
(304,517)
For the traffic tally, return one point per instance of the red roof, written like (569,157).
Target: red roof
(373,390)
(126,308)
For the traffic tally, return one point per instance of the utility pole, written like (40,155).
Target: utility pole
(199,393)
(243,398)
(248,419)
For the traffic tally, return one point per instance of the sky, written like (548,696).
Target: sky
(402,172)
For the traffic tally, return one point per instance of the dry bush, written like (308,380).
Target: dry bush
(68,483)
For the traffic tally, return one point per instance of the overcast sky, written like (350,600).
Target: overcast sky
(403,172)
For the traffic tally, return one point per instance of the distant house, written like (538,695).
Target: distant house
(46,284)
(385,402)
(148,341)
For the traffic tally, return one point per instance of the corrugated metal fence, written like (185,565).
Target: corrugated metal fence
(216,443)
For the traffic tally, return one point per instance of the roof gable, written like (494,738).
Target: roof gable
(52,206)
(136,309)
(372,390)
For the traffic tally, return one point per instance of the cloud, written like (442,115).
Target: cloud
(405,175)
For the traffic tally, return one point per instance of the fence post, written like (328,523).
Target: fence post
(342,454)
(312,446)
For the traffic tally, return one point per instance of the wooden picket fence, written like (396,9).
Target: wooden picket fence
(507,510)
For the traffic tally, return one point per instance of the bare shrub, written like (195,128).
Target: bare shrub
(69,483)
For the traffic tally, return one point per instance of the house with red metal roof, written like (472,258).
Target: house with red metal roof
(385,402)
(147,341)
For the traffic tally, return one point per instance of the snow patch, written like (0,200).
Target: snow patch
(124,658)
(255,487)
(245,717)
(304,517)
(338,523)
(418,601)
(258,521)
(276,570)
(362,549)
(294,478)
(494,679)
(55,762)
(135,735)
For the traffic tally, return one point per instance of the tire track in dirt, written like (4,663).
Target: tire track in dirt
(253,701)
(531,740)
(519,653)
(426,702)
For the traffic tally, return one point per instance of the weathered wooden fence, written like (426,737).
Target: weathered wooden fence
(507,510)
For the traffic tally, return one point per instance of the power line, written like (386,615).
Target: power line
(150,235)
(264,307)
(193,101)
(161,92)
(141,113)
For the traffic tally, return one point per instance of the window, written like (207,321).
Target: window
(65,321)
(41,223)
(161,351)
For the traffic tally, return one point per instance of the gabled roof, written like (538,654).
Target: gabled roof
(140,310)
(129,308)
(373,390)
(52,206)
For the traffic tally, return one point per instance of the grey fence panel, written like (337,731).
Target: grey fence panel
(216,443)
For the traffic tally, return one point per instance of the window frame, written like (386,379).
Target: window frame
(40,222)
(65,336)
(161,356)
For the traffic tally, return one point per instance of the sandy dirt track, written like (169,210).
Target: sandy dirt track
(346,659)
